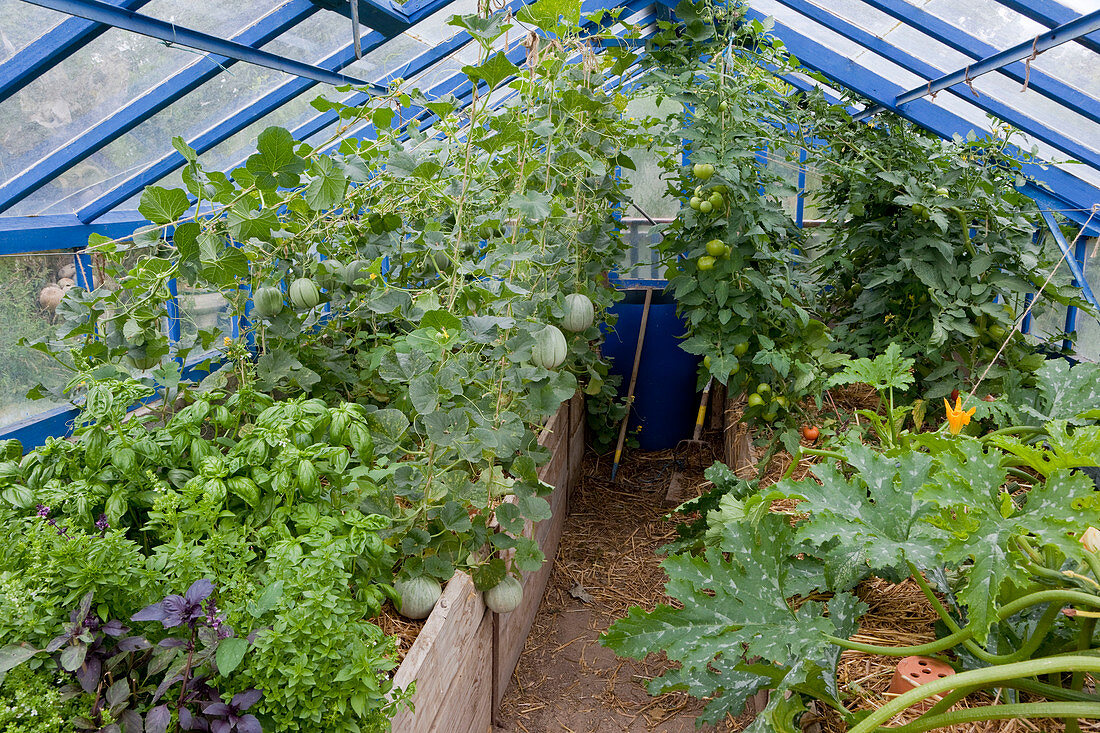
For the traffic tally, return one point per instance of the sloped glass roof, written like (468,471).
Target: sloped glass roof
(87,111)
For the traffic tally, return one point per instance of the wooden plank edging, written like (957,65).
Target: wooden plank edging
(463,658)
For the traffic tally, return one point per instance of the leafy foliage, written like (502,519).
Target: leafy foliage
(745,623)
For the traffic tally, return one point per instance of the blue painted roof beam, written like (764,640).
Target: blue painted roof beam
(1043,42)
(51,48)
(1070,194)
(966,44)
(1050,14)
(103,12)
(891,53)
(88,142)
(380,15)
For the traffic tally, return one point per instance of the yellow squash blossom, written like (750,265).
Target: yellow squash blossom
(956,418)
(1091,539)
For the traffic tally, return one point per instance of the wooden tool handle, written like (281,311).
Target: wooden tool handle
(633,381)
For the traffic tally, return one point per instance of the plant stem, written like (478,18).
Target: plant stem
(989,677)
(1057,597)
(1001,712)
(1077,681)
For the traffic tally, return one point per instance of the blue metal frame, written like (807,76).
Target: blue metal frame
(1075,259)
(51,48)
(1051,14)
(966,44)
(917,66)
(1062,34)
(170,33)
(1071,193)
(175,87)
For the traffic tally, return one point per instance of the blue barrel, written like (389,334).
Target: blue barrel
(665,399)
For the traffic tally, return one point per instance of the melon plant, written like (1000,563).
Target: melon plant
(505,596)
(579,312)
(550,348)
(267,302)
(417,596)
(304,294)
(356,271)
(330,274)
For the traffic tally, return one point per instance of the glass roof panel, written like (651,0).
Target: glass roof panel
(219,19)
(1073,64)
(94,83)
(80,92)
(21,23)
(986,20)
(230,91)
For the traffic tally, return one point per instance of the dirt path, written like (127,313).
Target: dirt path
(565,681)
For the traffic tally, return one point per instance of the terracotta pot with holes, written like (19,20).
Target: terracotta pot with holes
(915,671)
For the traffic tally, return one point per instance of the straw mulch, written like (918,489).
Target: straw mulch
(607,562)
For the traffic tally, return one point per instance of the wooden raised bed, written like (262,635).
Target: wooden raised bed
(463,658)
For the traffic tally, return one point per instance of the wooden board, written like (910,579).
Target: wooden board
(450,643)
(512,628)
(464,656)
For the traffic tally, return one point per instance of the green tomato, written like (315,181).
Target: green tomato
(781,401)
(706,262)
(695,202)
(703,171)
(735,368)
(706,207)
(716,248)
(763,388)
(741,349)
(723,106)
(716,199)
(706,361)
(726,251)
(998,332)
(755,400)
(769,417)
(941,191)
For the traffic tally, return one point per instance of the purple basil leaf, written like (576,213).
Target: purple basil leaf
(171,643)
(113,728)
(113,627)
(152,612)
(245,700)
(219,709)
(157,719)
(131,721)
(132,644)
(199,591)
(221,726)
(56,643)
(85,607)
(249,724)
(167,682)
(175,611)
(88,675)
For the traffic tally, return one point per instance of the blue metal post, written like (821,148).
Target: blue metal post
(173,309)
(800,205)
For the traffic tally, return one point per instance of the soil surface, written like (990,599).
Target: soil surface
(608,561)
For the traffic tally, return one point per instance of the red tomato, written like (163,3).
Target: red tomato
(810,433)
(989,398)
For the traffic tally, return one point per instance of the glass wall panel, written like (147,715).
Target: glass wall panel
(30,286)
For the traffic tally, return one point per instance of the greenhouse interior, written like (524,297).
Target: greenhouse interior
(539,366)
